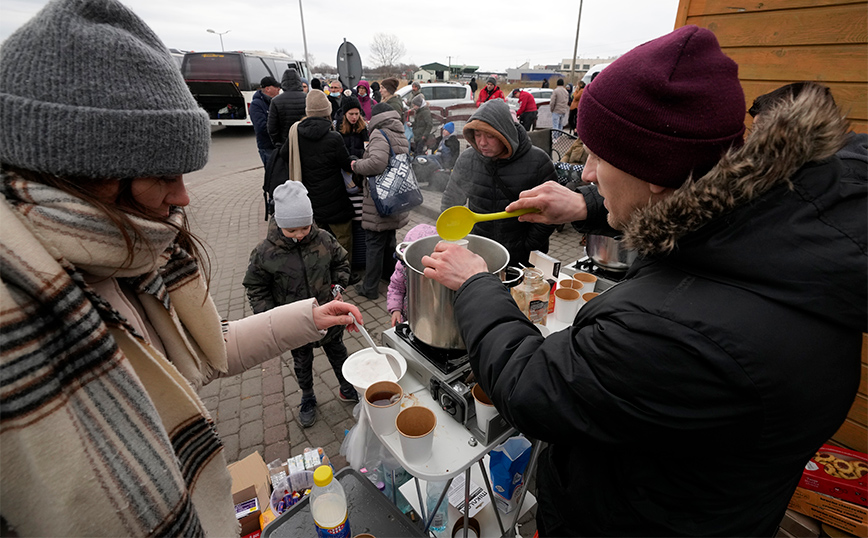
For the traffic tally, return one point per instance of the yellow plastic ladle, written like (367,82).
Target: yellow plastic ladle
(456,222)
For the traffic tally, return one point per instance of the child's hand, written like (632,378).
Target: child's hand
(396,317)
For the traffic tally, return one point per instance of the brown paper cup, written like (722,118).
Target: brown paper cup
(589,281)
(570,283)
(416,428)
(567,304)
(383,415)
(588,296)
(485,409)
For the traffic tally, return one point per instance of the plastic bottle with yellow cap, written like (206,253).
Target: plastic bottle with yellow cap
(328,505)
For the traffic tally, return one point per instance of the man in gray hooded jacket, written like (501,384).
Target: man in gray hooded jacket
(500,164)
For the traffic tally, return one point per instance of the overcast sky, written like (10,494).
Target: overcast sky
(494,35)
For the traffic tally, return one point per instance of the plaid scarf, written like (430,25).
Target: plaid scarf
(100,434)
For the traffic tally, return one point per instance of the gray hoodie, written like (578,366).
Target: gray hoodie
(520,167)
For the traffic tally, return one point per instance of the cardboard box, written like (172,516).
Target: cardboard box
(250,479)
(832,504)
(800,525)
(550,267)
(804,502)
(821,474)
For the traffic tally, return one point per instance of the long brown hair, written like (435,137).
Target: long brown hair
(83,187)
(349,128)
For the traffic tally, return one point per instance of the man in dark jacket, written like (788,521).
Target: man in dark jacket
(687,399)
(287,108)
(500,163)
(268,89)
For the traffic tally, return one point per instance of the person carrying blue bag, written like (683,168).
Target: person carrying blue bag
(386,138)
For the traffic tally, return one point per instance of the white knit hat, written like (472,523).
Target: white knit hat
(292,207)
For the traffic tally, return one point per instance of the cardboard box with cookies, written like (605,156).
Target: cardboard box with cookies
(838,472)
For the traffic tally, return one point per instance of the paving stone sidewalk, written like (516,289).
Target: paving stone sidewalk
(258,410)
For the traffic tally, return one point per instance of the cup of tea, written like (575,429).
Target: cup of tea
(416,428)
(383,403)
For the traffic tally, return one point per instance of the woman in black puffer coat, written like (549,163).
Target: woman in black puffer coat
(323,156)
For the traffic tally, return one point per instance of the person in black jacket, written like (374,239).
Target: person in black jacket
(323,155)
(353,127)
(687,399)
(287,108)
(375,92)
(500,163)
(268,89)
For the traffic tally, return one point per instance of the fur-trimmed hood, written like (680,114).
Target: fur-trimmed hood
(783,217)
(793,133)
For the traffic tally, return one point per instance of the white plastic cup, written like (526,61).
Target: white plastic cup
(589,281)
(485,410)
(567,304)
(416,428)
(382,406)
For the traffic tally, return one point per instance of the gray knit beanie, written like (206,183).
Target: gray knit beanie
(292,207)
(88,89)
(317,105)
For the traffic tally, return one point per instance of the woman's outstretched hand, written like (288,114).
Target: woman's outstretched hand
(336,313)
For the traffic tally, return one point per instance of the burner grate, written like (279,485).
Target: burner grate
(587,265)
(445,360)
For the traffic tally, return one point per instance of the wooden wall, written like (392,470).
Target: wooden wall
(776,42)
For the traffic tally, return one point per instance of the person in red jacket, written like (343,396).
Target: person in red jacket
(527,111)
(490,91)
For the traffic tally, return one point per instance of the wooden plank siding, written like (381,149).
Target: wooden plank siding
(776,42)
(782,41)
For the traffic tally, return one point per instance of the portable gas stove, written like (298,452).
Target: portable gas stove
(605,278)
(445,372)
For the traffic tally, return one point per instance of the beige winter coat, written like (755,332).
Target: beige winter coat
(375,161)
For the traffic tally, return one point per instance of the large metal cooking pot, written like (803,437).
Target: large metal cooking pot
(609,253)
(430,312)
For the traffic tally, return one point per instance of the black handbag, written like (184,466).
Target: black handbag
(395,190)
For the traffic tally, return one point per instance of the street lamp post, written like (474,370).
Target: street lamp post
(210,31)
(576,47)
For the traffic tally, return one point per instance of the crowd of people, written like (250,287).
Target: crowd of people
(697,375)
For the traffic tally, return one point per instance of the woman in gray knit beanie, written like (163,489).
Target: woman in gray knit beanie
(107,326)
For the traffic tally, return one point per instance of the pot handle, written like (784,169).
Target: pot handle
(512,282)
(400,249)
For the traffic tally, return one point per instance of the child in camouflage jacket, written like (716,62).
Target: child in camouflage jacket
(296,261)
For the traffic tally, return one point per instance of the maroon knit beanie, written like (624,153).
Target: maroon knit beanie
(665,109)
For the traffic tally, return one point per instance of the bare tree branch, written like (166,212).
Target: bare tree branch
(386,49)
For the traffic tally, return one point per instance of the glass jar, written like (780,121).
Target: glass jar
(532,296)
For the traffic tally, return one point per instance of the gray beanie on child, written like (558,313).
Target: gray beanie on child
(292,207)
(88,89)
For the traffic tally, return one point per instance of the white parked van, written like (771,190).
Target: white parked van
(594,69)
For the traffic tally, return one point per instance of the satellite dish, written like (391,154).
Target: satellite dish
(349,64)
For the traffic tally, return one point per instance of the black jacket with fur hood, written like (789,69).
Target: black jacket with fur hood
(687,399)
(474,181)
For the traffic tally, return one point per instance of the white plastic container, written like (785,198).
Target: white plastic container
(328,505)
